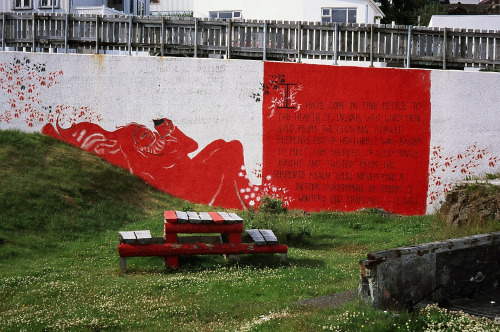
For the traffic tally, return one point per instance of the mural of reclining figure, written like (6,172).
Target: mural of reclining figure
(160,157)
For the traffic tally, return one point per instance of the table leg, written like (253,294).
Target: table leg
(171,237)
(234,258)
(123,264)
(172,262)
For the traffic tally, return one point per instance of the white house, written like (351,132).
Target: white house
(171,7)
(100,7)
(481,22)
(342,11)
(465,2)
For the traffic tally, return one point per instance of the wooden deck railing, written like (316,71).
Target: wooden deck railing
(269,40)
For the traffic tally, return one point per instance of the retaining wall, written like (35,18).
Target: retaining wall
(228,132)
(436,271)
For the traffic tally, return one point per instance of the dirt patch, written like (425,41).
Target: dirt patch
(353,248)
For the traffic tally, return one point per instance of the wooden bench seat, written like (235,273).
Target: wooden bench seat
(262,236)
(142,237)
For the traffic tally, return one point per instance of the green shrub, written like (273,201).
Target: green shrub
(490,176)
(272,205)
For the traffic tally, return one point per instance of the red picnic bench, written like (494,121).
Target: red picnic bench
(229,226)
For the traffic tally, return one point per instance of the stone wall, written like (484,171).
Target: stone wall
(405,277)
(471,203)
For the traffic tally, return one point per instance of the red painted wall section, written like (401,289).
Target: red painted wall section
(160,157)
(345,138)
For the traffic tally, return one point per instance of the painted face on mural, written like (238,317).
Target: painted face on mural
(147,141)
(144,137)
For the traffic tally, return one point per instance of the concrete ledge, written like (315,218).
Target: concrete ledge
(436,271)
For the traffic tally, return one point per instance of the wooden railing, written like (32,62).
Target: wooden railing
(268,40)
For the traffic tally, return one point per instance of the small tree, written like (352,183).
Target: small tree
(406,12)
(425,13)
(272,205)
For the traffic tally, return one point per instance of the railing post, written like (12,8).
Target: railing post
(130,35)
(3,31)
(66,33)
(195,37)
(371,45)
(33,47)
(445,42)
(408,53)
(336,44)
(229,35)
(264,49)
(97,34)
(299,42)
(162,39)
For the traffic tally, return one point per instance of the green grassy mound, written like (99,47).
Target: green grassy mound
(60,212)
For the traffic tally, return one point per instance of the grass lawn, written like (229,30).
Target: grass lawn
(60,213)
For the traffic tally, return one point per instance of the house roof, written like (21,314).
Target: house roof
(376,9)
(480,22)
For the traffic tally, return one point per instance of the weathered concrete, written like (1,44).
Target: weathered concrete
(403,277)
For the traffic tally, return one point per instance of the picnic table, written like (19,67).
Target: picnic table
(228,226)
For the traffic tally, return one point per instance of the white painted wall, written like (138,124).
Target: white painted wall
(210,99)
(290,10)
(284,10)
(465,113)
(482,22)
(465,2)
(172,6)
(364,14)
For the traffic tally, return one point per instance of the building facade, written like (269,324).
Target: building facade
(328,11)
(99,7)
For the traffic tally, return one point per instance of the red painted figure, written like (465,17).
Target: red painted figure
(161,158)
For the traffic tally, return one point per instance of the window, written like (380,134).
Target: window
(338,15)
(49,3)
(226,14)
(23,4)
